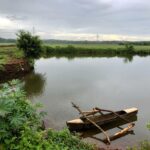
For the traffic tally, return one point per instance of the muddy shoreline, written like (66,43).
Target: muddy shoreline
(15,68)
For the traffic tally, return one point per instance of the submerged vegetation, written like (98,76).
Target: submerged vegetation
(21,125)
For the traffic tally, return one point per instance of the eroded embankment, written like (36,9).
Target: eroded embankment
(14,68)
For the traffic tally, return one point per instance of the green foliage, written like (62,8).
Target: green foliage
(145,145)
(20,124)
(8,53)
(64,140)
(2,67)
(89,50)
(31,45)
(48,140)
(129,48)
(15,111)
(148,126)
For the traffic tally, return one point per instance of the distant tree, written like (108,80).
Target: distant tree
(31,45)
(129,48)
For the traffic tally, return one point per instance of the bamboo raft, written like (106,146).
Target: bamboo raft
(96,118)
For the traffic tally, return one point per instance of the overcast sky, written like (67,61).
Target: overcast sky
(77,19)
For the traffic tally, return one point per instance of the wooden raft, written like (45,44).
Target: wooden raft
(86,114)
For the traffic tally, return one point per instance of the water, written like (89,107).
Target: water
(111,83)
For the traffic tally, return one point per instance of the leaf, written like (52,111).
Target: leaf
(17,120)
(5,107)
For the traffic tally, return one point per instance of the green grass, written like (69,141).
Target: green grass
(6,44)
(98,50)
(99,46)
(8,53)
(95,46)
(144,145)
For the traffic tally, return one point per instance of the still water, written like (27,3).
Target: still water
(110,83)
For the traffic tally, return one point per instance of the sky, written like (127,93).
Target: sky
(77,19)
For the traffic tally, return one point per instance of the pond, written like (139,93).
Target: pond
(112,83)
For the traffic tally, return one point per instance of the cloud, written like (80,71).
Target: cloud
(16,18)
(78,17)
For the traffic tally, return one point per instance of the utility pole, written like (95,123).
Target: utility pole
(33,30)
(97,37)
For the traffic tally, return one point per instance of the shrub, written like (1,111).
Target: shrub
(129,48)
(15,111)
(31,45)
(21,125)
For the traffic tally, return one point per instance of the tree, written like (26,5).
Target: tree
(129,48)
(31,45)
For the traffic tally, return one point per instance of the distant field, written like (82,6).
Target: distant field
(6,44)
(100,46)
(9,50)
(86,46)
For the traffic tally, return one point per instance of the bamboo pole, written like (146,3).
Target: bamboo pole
(88,113)
(80,111)
(121,133)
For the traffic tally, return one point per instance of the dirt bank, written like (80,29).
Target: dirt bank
(14,68)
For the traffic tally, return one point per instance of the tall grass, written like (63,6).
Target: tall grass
(77,50)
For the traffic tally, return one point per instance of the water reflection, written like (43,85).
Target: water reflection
(93,81)
(117,124)
(34,84)
(126,57)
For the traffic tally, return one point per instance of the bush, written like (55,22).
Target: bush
(31,45)
(15,112)
(129,48)
(21,125)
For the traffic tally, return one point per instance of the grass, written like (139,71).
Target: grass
(144,145)
(99,50)
(100,46)
(9,52)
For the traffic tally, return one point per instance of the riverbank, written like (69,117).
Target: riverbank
(21,124)
(95,49)
(12,62)
(61,98)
